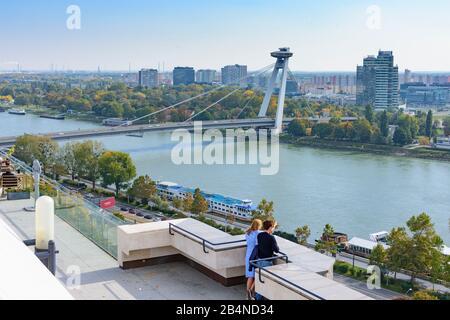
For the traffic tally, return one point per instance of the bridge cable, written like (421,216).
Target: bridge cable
(195,97)
(213,104)
(261,71)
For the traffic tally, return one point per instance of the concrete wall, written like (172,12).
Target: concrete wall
(145,244)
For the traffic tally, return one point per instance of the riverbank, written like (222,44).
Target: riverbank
(79,116)
(387,150)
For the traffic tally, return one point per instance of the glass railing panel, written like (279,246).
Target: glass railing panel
(94,223)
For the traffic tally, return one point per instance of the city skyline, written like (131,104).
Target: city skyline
(145,34)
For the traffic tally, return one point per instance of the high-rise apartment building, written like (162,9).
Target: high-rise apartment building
(183,75)
(234,75)
(148,78)
(206,76)
(378,81)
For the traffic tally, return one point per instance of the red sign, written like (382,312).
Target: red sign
(108,203)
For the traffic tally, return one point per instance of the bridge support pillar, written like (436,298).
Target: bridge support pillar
(282,64)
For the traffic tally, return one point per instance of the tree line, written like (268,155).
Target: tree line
(87,160)
(371,127)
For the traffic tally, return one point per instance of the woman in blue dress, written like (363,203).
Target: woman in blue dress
(251,236)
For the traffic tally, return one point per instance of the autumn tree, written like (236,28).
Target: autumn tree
(199,205)
(187,202)
(143,188)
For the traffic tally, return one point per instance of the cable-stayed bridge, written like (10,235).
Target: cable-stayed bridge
(275,125)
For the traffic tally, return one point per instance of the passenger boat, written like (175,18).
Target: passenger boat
(218,204)
(19,112)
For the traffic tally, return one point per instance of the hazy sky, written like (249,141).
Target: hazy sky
(324,34)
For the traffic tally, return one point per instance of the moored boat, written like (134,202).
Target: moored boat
(54,117)
(19,112)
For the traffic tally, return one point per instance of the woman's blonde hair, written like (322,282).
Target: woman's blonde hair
(256,225)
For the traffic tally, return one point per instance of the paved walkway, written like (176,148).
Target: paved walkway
(102,279)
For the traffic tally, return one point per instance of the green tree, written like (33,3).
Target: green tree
(143,188)
(429,124)
(384,124)
(178,203)
(378,257)
(402,137)
(264,211)
(323,130)
(69,158)
(29,148)
(89,155)
(116,168)
(199,205)
(327,243)
(396,254)
(302,234)
(363,130)
(424,252)
(297,128)
(368,113)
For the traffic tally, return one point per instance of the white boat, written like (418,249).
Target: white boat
(219,204)
(19,112)
(442,143)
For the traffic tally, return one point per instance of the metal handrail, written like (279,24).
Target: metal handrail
(205,243)
(254,263)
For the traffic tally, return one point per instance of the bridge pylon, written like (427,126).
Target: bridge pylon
(282,65)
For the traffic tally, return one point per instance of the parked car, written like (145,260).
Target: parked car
(148,217)
(139,214)
(132,211)
(123,209)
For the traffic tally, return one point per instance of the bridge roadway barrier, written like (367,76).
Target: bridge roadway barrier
(124,130)
(307,276)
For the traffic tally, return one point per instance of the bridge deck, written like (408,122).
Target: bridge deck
(108,131)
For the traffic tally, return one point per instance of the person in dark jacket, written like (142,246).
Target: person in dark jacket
(267,246)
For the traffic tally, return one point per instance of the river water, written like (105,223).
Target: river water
(357,193)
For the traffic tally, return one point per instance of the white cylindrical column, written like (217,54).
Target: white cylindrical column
(45,222)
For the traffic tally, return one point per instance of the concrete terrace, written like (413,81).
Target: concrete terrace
(102,279)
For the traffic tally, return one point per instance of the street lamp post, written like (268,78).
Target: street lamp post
(37,177)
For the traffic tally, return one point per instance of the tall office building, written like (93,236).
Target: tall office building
(234,75)
(206,76)
(407,76)
(378,81)
(183,75)
(148,78)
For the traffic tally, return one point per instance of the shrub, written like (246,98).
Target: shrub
(341,268)
(424,295)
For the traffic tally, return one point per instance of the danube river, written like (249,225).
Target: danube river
(357,193)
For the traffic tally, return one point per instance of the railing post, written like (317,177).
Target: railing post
(259,275)
(204,246)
